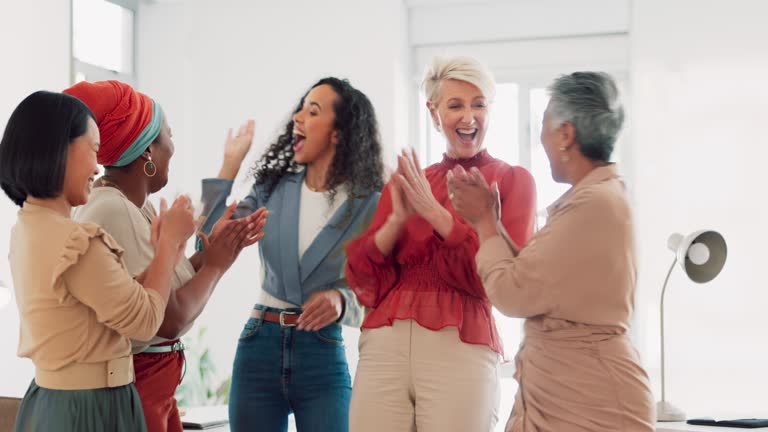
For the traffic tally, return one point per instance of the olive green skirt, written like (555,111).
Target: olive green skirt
(115,409)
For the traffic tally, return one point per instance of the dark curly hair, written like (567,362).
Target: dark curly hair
(357,161)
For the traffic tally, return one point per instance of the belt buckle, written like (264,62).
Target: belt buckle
(178,346)
(282,318)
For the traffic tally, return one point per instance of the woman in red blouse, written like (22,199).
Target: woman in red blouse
(429,349)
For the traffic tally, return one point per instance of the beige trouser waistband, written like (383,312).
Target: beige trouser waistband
(83,376)
(409,375)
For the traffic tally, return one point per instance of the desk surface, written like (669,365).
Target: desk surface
(220,412)
(204,414)
(224,428)
(660,427)
(684,427)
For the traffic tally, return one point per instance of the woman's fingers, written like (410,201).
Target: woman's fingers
(249,241)
(227,215)
(478,178)
(409,172)
(405,186)
(415,160)
(163,206)
(206,242)
(311,310)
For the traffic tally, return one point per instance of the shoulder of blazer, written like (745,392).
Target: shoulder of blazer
(289,178)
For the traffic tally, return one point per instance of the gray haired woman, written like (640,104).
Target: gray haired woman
(574,282)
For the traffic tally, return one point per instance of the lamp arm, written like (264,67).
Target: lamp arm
(663,292)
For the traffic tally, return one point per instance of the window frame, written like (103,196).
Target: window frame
(98,73)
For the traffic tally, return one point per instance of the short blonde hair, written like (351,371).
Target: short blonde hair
(458,68)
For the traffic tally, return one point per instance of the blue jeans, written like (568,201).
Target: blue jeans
(281,370)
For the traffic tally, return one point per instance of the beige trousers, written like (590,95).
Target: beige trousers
(413,379)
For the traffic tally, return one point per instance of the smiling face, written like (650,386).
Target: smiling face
(461,114)
(82,168)
(314,136)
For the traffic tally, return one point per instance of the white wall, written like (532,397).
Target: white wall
(442,22)
(528,42)
(34,42)
(215,64)
(700,99)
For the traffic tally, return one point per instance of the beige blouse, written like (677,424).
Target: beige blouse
(77,302)
(575,284)
(131,227)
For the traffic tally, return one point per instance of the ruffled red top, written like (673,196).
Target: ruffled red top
(434,280)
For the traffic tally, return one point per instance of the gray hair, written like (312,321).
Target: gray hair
(590,102)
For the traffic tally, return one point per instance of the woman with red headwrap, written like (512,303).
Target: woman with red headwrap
(136,149)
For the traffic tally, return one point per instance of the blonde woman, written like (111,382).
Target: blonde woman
(429,349)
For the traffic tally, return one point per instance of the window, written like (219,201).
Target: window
(547,191)
(103,39)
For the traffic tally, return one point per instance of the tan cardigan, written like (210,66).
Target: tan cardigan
(78,304)
(575,284)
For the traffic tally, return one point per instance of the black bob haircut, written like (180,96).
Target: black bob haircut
(33,151)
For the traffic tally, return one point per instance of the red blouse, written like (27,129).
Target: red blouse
(433,280)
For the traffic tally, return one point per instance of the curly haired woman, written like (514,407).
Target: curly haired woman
(320,183)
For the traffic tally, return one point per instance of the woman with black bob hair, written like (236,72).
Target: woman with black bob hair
(78,305)
(320,182)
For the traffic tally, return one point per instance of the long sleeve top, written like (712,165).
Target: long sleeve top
(574,282)
(77,301)
(288,275)
(434,280)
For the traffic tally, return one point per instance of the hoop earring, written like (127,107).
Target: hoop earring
(150,169)
(564,158)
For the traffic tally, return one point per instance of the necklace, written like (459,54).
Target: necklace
(105,182)
(108,183)
(314,189)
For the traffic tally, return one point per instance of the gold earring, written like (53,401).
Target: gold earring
(150,169)
(564,158)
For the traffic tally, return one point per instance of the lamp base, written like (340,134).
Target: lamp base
(666,412)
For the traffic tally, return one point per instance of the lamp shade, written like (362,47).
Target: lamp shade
(701,254)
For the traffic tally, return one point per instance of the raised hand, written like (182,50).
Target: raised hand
(472,197)
(418,193)
(176,224)
(235,149)
(414,185)
(226,218)
(230,237)
(401,208)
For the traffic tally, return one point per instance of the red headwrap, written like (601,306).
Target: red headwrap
(121,113)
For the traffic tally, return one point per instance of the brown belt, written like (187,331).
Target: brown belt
(284,318)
